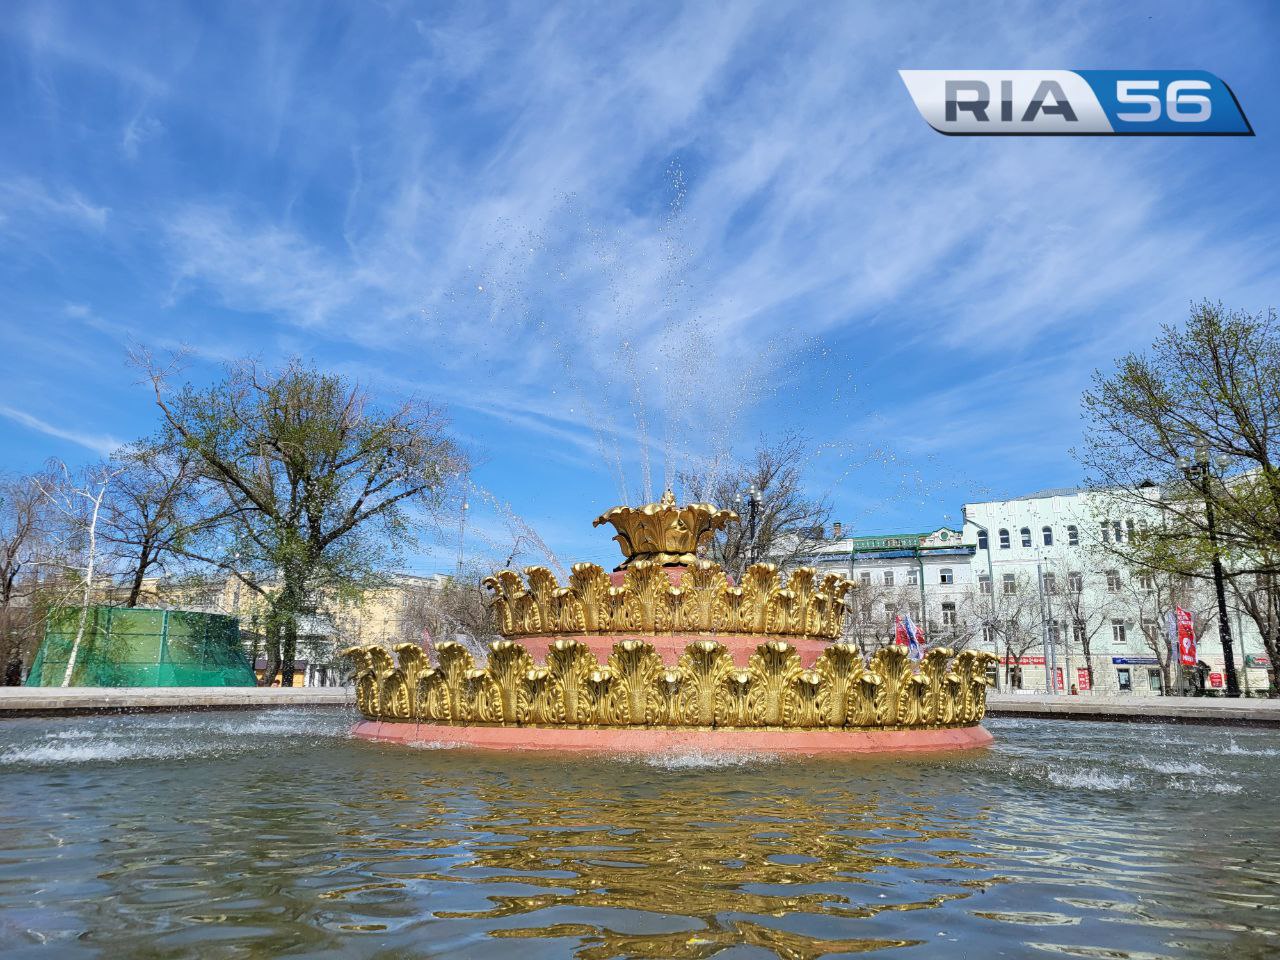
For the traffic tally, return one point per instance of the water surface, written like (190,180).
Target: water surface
(274,834)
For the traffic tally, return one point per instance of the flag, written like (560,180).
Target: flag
(915,639)
(1186,637)
(900,633)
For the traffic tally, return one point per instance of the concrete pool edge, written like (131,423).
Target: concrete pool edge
(656,740)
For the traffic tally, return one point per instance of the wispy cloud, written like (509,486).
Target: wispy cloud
(96,442)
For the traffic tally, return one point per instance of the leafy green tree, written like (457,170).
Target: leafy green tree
(318,483)
(1189,431)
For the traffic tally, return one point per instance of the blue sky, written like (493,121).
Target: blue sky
(571,223)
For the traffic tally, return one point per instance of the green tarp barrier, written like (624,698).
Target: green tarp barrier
(130,647)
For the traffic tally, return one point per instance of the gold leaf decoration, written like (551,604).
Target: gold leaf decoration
(509,665)
(705,689)
(703,668)
(647,602)
(663,532)
(636,666)
(841,668)
(773,668)
(571,662)
(893,668)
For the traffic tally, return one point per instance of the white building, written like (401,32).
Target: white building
(1054,543)
(1030,580)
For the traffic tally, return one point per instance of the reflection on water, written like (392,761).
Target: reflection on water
(257,834)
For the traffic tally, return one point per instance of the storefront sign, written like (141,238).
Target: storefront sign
(1023,661)
(1082,679)
(1258,661)
(1137,661)
(1215,681)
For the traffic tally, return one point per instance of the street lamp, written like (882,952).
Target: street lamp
(462,533)
(752,502)
(1198,474)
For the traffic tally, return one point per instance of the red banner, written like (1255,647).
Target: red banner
(1082,678)
(1215,681)
(900,632)
(1186,638)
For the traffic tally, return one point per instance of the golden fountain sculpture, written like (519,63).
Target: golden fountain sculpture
(667,651)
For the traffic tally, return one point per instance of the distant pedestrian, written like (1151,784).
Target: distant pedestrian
(1075,691)
(13,673)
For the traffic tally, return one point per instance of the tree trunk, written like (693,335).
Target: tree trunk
(272,644)
(289,650)
(1085,645)
(135,587)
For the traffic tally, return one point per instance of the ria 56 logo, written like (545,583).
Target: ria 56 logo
(1075,102)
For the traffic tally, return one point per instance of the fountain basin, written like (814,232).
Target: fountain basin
(664,740)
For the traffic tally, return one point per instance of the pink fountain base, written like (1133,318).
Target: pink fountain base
(658,740)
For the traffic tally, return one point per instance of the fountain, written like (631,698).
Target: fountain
(667,653)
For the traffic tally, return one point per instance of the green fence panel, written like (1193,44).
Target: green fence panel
(126,647)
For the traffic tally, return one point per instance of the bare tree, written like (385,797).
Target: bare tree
(79,509)
(22,541)
(155,512)
(449,608)
(788,523)
(1258,595)
(1011,616)
(1086,614)
(1153,595)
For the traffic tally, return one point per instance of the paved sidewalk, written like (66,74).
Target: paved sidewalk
(38,701)
(1152,709)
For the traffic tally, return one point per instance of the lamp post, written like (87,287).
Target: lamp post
(1198,474)
(991,582)
(462,533)
(752,502)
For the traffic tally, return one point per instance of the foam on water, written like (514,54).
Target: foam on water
(1090,779)
(1234,749)
(1206,786)
(706,759)
(1173,766)
(102,751)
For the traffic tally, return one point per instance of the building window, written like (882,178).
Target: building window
(1004,539)
(945,575)
(889,611)
(1077,630)
(865,577)
(913,577)
(1117,631)
(1010,583)
(888,578)
(1055,632)
(949,615)
(1146,583)
(1113,581)
(984,582)
(1155,682)
(1129,528)
(1150,627)
(988,633)
(1050,582)
(982,540)
(1075,582)
(913,607)
(1073,536)
(1046,534)
(1124,680)
(1025,534)
(1117,531)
